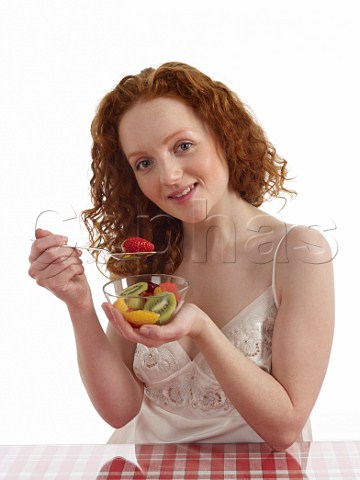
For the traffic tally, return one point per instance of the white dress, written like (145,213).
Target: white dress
(183,401)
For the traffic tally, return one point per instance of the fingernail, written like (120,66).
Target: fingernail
(144,330)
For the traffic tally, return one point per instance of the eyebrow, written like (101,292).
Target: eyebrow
(175,134)
(135,154)
(163,142)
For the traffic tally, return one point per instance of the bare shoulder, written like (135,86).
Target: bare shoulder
(304,266)
(307,244)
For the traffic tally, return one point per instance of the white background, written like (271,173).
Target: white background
(293,62)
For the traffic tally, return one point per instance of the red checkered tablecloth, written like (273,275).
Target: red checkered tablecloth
(314,461)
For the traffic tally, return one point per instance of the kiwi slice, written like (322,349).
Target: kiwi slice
(134,289)
(136,303)
(164,304)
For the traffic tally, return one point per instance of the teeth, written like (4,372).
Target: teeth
(184,192)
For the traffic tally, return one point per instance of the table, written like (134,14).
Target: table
(307,460)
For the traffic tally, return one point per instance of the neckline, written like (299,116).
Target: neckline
(227,324)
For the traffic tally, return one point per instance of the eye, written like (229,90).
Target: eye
(142,164)
(183,146)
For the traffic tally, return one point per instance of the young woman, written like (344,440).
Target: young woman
(179,160)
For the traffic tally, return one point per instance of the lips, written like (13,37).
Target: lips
(183,192)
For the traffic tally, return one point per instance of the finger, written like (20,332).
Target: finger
(57,254)
(170,332)
(50,265)
(61,253)
(115,318)
(42,244)
(125,328)
(39,233)
(147,335)
(61,282)
(151,331)
(59,273)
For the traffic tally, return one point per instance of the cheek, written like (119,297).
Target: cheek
(147,186)
(219,173)
(223,170)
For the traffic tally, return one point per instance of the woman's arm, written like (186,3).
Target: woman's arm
(105,362)
(106,369)
(277,406)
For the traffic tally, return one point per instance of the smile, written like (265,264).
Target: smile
(184,192)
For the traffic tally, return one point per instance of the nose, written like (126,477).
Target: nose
(170,172)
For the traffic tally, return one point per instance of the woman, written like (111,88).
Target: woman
(178,159)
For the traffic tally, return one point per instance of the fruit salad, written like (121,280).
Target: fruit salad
(148,302)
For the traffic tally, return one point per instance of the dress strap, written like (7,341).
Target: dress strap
(273,283)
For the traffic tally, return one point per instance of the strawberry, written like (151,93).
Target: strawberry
(151,287)
(168,287)
(136,244)
(146,294)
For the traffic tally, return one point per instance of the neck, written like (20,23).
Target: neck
(217,236)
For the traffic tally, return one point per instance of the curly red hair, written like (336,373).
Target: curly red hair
(121,210)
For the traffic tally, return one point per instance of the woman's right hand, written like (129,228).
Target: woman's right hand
(59,269)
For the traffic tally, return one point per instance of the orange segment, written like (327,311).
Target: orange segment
(120,305)
(141,317)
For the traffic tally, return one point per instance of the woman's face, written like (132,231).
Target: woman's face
(175,157)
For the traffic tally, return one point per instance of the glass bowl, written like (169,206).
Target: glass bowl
(147,299)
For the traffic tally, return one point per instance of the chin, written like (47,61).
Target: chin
(195,212)
(194,219)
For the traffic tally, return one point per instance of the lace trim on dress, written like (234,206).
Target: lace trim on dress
(177,383)
(186,390)
(254,336)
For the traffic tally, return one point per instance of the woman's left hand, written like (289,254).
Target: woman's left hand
(187,322)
